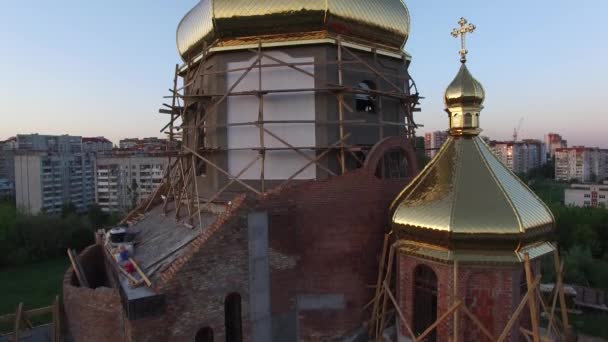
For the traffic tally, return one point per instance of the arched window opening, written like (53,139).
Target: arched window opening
(468,120)
(365,101)
(204,335)
(232,318)
(425,301)
(393,165)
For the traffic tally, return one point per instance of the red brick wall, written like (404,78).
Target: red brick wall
(490,292)
(196,285)
(329,235)
(93,315)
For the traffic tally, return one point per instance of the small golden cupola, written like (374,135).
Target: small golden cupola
(466,204)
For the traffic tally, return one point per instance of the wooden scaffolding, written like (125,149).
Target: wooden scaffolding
(385,306)
(180,184)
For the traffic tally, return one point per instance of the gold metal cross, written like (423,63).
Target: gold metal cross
(465,27)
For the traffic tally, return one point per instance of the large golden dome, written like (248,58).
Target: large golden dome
(383,22)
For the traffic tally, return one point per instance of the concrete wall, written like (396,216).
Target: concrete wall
(324,108)
(277,107)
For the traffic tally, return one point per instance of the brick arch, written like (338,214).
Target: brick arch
(386,145)
(480,300)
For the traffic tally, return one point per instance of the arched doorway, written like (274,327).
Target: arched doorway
(232,318)
(425,300)
(204,335)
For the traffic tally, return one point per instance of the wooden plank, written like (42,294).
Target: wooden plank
(316,160)
(558,285)
(220,191)
(518,311)
(298,151)
(341,109)
(77,269)
(222,170)
(379,286)
(401,315)
(387,278)
(439,320)
(141,273)
(562,297)
(132,280)
(477,322)
(16,326)
(454,300)
(30,313)
(531,300)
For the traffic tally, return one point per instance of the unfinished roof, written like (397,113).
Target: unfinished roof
(384,22)
(160,239)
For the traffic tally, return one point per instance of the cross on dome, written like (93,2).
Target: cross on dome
(461,32)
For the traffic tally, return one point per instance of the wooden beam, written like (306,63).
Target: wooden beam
(341,109)
(518,311)
(230,90)
(222,170)
(398,309)
(141,273)
(558,285)
(531,299)
(562,296)
(18,317)
(298,151)
(78,269)
(439,320)
(220,191)
(316,160)
(477,322)
(387,279)
(379,286)
(454,300)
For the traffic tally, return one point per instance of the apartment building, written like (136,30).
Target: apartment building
(46,181)
(587,195)
(96,144)
(553,141)
(122,181)
(6,189)
(582,164)
(433,142)
(143,145)
(520,156)
(7,165)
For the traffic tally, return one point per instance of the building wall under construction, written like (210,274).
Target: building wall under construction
(319,247)
(490,292)
(319,104)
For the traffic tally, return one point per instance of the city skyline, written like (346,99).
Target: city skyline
(102,70)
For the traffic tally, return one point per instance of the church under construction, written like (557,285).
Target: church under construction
(294,208)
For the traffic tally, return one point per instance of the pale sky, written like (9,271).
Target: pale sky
(101,68)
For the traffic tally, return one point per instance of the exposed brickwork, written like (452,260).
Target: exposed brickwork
(331,232)
(93,315)
(195,246)
(490,292)
(325,238)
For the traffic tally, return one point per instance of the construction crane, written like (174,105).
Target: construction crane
(517,129)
